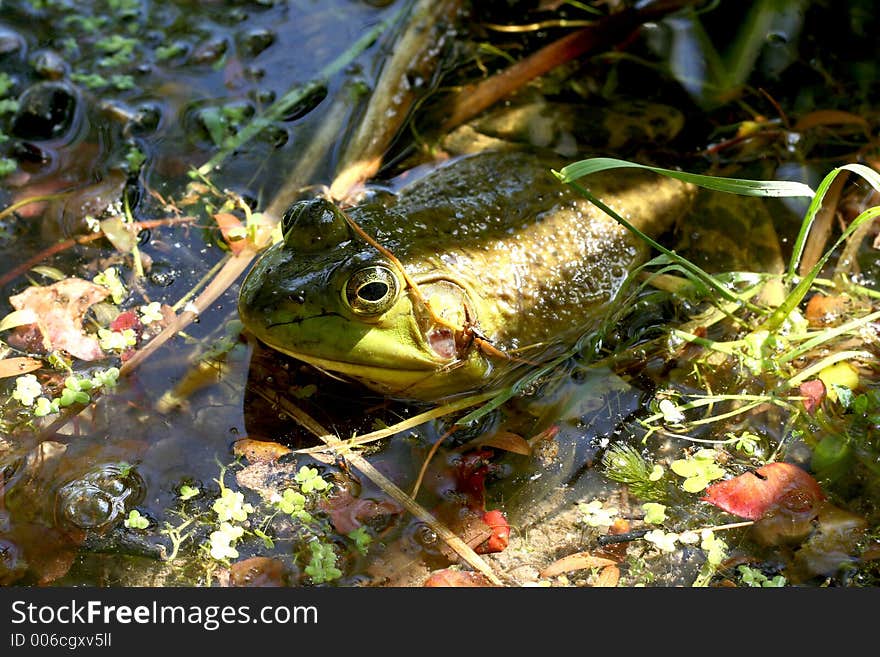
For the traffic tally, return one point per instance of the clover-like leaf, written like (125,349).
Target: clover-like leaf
(654,513)
(187,492)
(27,389)
(136,521)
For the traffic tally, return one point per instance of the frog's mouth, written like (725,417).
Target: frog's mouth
(446,321)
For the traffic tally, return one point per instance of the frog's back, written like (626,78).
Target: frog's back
(541,256)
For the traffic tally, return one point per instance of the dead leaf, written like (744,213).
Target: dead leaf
(33,549)
(830,117)
(823,310)
(608,577)
(60,309)
(833,544)
(18,318)
(466,523)
(348,512)
(616,551)
(259,572)
(772,488)
(233,231)
(814,391)
(119,233)
(268,478)
(18,365)
(259,451)
(457,579)
(508,441)
(576,561)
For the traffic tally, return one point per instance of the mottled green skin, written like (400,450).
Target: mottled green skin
(494,241)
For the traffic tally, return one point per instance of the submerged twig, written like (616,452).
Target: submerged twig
(403,425)
(472,99)
(427,461)
(58,247)
(447,535)
(228,274)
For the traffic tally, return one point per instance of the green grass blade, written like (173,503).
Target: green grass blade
(775,320)
(871,176)
(741,186)
(807,223)
(702,275)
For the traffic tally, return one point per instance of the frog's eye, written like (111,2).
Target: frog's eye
(372,290)
(313,225)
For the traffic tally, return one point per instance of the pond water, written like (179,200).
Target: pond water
(112,105)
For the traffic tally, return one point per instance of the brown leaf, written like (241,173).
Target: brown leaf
(20,365)
(823,310)
(616,551)
(265,477)
(507,441)
(456,578)
(347,512)
(60,309)
(830,117)
(119,233)
(608,577)
(259,451)
(231,228)
(833,544)
(258,572)
(33,549)
(576,561)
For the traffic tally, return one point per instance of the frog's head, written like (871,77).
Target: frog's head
(324,295)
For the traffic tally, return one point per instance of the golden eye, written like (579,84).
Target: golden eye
(372,290)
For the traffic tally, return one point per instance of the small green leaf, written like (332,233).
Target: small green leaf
(685,467)
(831,457)
(188,492)
(268,541)
(361,538)
(655,513)
(695,484)
(136,521)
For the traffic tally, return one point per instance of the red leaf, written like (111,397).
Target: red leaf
(814,391)
(771,488)
(470,475)
(500,533)
(126,320)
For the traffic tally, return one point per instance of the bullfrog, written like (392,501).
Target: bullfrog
(468,271)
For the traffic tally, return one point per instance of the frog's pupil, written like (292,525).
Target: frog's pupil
(374,291)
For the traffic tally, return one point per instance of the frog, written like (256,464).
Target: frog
(479,267)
